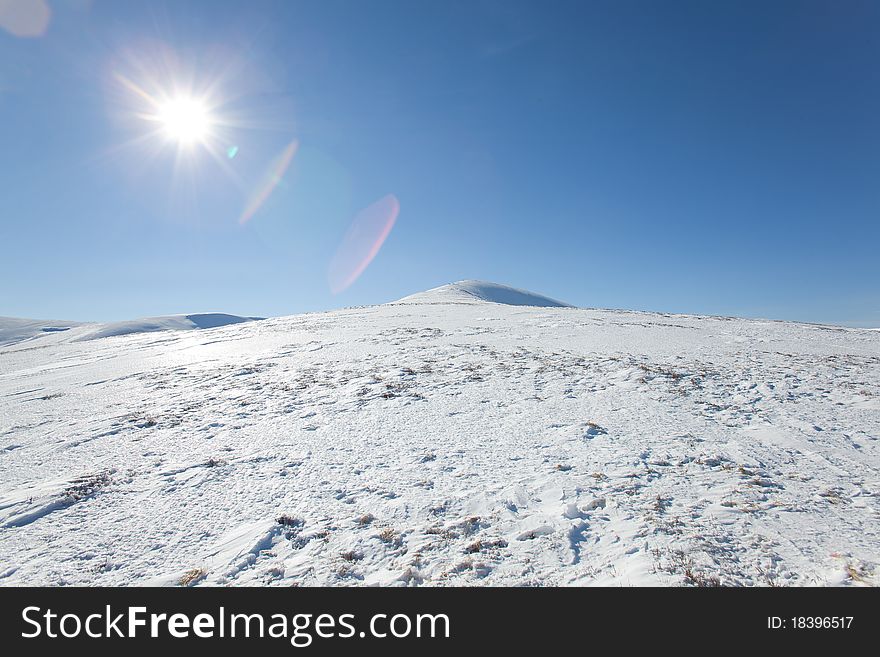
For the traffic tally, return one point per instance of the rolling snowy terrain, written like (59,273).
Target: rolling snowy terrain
(14,330)
(468,435)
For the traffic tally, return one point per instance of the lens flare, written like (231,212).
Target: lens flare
(25,18)
(270,182)
(362,242)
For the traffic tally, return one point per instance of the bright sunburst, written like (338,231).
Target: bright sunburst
(178,115)
(185,120)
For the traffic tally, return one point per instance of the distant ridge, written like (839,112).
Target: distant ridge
(166,323)
(14,330)
(472,291)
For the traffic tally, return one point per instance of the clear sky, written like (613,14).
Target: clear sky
(706,157)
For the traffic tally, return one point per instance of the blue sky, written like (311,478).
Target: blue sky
(701,157)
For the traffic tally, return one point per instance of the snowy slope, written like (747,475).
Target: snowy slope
(477,291)
(438,442)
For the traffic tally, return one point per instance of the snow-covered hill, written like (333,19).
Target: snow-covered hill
(477,291)
(166,323)
(14,330)
(444,439)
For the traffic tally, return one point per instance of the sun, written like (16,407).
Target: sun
(186,120)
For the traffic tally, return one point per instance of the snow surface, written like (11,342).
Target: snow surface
(437,442)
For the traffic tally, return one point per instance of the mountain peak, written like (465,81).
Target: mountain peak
(473,291)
